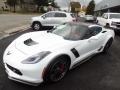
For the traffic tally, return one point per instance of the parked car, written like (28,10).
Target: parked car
(52,18)
(111,20)
(42,56)
(89,18)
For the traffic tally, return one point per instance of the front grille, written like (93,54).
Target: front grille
(14,69)
(117,22)
(118,25)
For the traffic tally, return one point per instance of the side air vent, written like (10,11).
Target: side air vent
(75,52)
(104,31)
(30,42)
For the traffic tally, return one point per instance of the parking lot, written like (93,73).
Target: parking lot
(102,72)
(9,21)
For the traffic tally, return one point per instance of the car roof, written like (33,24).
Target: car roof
(60,12)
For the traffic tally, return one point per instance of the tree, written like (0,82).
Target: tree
(90,8)
(75,7)
(21,3)
(40,3)
(55,4)
(12,3)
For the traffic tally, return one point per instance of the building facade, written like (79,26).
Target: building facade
(107,6)
(26,5)
(3,5)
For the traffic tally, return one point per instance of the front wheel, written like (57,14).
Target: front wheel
(36,26)
(57,70)
(107,46)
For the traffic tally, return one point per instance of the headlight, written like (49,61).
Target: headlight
(36,58)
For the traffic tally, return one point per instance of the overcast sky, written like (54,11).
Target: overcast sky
(64,3)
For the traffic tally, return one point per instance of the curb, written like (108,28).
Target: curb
(12,31)
(17,29)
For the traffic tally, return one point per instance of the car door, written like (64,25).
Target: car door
(90,43)
(97,37)
(47,19)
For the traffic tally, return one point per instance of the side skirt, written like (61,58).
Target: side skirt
(84,60)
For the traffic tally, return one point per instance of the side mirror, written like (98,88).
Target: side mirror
(54,26)
(106,17)
(43,16)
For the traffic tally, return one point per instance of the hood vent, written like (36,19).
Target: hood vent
(30,42)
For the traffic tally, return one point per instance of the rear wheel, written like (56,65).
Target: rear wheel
(107,46)
(57,70)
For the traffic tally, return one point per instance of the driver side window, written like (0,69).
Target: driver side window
(93,31)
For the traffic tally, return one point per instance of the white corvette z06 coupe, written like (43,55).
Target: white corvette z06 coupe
(43,56)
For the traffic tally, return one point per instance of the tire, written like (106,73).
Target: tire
(107,46)
(36,26)
(107,25)
(57,70)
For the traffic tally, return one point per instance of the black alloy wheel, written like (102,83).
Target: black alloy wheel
(58,69)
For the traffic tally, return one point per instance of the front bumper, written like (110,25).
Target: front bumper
(22,81)
(115,27)
(23,78)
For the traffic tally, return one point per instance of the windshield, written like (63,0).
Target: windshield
(114,16)
(70,32)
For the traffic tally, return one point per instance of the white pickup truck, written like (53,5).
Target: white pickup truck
(111,20)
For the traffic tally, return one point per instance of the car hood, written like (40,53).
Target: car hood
(39,41)
(115,20)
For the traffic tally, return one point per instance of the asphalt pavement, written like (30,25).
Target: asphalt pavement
(102,72)
(9,21)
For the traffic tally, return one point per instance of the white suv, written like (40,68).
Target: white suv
(110,20)
(52,18)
